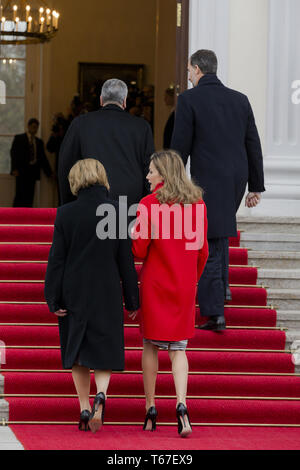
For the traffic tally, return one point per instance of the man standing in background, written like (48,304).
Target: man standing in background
(27,159)
(121,142)
(215,126)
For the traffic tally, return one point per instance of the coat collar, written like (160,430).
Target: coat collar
(111,107)
(158,186)
(209,79)
(96,191)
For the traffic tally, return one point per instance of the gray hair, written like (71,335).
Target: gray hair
(114,90)
(206,60)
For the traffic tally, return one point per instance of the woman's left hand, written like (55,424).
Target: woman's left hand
(133,315)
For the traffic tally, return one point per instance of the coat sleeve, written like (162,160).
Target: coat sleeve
(254,153)
(203,252)
(141,232)
(182,137)
(69,154)
(55,268)
(148,151)
(128,275)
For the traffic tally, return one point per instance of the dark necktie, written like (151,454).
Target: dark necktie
(31,150)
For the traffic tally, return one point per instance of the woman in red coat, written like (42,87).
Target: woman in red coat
(170,235)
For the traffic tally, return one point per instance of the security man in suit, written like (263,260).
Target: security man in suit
(215,126)
(27,159)
(123,143)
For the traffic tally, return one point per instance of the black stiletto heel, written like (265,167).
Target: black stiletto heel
(181,412)
(96,419)
(84,419)
(151,414)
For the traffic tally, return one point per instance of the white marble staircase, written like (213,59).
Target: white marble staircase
(274,247)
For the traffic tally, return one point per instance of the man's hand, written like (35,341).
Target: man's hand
(15,173)
(252,199)
(133,315)
(61,313)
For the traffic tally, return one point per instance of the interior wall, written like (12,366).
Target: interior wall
(165,63)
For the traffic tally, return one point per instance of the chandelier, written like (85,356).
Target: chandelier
(27,22)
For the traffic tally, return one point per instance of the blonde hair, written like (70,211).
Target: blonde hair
(177,188)
(85,173)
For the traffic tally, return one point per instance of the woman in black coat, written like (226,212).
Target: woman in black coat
(83,288)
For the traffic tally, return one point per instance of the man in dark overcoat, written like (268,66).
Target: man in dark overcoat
(121,142)
(27,159)
(215,126)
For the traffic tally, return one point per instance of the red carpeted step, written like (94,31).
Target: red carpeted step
(235,241)
(30,313)
(26,234)
(233,339)
(205,361)
(165,438)
(16,215)
(133,410)
(125,384)
(37,272)
(30,252)
(24,252)
(34,292)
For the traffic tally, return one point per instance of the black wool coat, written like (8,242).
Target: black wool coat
(216,127)
(121,142)
(20,157)
(83,276)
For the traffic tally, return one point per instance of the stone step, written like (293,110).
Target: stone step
(289,319)
(284,299)
(1,384)
(274,259)
(269,224)
(271,241)
(279,279)
(8,440)
(3,410)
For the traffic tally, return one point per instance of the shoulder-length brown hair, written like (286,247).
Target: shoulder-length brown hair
(85,173)
(177,188)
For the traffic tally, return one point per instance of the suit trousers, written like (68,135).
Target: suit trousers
(25,185)
(215,279)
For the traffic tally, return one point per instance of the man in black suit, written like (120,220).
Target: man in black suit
(27,159)
(121,142)
(215,126)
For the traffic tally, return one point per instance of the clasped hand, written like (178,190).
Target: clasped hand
(252,199)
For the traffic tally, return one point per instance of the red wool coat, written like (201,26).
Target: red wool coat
(170,271)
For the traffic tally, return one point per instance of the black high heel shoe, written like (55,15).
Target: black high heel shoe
(97,415)
(151,415)
(184,429)
(84,419)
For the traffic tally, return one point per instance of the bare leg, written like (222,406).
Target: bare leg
(180,369)
(81,377)
(150,367)
(102,378)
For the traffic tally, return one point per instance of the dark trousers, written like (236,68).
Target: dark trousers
(215,279)
(25,185)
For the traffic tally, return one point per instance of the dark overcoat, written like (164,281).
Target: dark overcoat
(121,142)
(83,276)
(215,126)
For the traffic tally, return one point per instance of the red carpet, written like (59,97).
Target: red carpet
(60,437)
(241,376)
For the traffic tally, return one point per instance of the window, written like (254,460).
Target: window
(12,82)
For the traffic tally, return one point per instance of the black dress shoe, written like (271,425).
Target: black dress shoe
(228,295)
(214,324)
